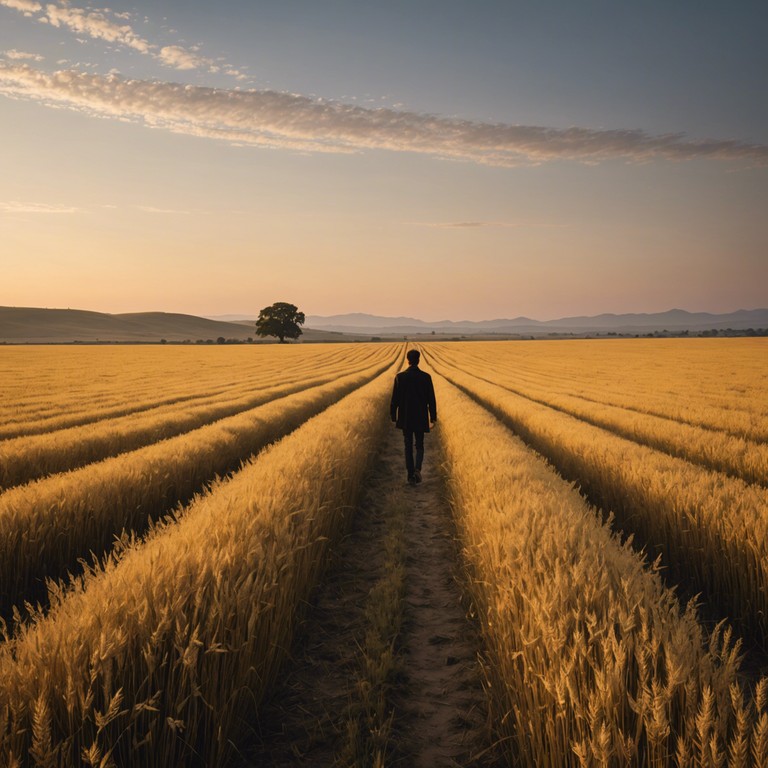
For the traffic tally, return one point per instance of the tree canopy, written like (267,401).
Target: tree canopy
(280,319)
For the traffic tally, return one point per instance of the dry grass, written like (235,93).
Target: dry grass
(157,658)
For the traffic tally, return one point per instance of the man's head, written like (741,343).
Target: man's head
(413,356)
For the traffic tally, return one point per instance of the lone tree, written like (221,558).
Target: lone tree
(281,320)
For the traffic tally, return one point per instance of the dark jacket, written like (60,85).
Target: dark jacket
(413,400)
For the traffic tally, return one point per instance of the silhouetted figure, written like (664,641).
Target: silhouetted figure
(412,409)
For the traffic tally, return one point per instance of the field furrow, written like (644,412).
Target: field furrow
(385,670)
(669,380)
(47,525)
(161,657)
(712,529)
(45,390)
(35,422)
(716,450)
(180,504)
(27,458)
(37,419)
(590,659)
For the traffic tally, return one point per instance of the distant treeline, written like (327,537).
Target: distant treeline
(663,334)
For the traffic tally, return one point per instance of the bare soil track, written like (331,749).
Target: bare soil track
(437,702)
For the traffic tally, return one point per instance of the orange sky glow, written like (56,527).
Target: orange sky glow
(142,171)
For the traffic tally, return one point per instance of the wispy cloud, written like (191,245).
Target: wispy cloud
(112,27)
(152,209)
(27,7)
(270,118)
(15,206)
(15,55)
(181,58)
(474,225)
(94,24)
(466,224)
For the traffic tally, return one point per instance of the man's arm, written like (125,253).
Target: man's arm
(394,402)
(431,402)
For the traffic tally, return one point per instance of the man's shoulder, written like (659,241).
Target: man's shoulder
(413,372)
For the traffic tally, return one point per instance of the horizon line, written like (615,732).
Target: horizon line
(254,315)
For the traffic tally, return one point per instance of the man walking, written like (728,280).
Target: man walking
(412,408)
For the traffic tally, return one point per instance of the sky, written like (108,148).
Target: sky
(438,159)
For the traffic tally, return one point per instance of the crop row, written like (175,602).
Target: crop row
(717,450)
(50,382)
(701,383)
(160,657)
(49,388)
(590,660)
(45,526)
(26,458)
(712,529)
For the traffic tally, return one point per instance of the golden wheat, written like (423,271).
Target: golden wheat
(49,388)
(161,657)
(32,456)
(591,661)
(712,529)
(47,525)
(717,384)
(160,654)
(719,450)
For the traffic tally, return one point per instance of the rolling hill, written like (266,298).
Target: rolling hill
(60,326)
(22,325)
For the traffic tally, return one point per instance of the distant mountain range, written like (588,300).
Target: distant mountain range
(35,325)
(675,320)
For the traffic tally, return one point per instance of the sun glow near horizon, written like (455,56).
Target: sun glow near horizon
(147,172)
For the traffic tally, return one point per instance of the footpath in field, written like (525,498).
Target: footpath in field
(430,711)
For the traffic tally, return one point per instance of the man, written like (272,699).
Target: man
(412,408)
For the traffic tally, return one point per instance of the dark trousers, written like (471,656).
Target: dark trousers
(408,437)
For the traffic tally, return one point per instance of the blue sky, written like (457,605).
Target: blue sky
(433,159)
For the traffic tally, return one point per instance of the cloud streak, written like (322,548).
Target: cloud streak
(153,209)
(467,224)
(14,206)
(181,58)
(272,119)
(102,25)
(27,7)
(94,24)
(22,55)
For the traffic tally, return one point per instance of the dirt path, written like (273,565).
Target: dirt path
(437,699)
(441,711)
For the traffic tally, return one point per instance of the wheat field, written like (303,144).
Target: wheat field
(167,513)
